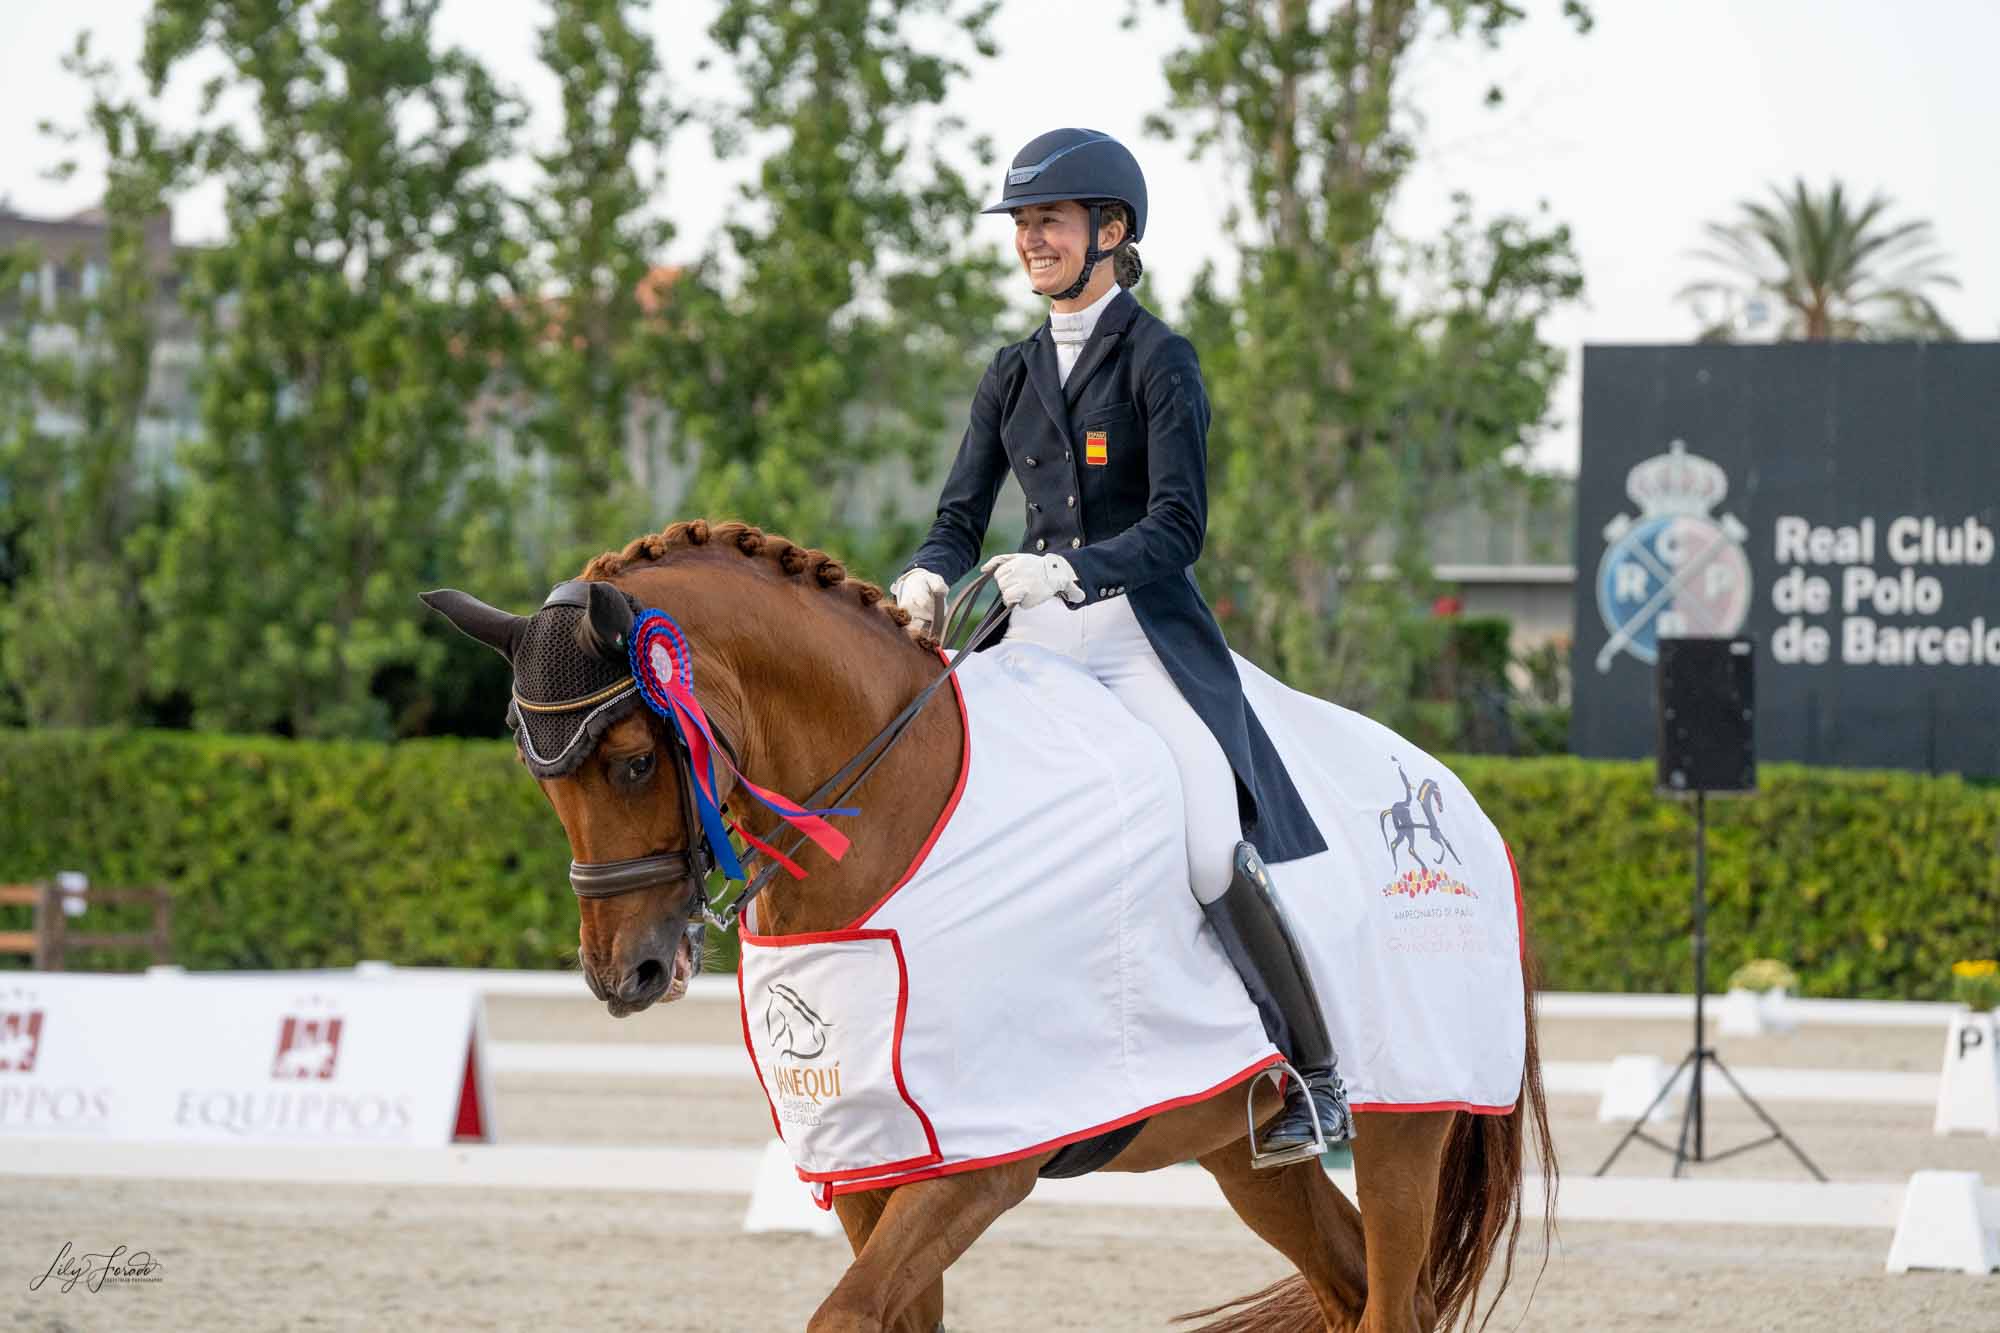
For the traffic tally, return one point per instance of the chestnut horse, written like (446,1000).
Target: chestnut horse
(799,666)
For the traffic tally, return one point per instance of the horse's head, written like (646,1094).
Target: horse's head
(611,769)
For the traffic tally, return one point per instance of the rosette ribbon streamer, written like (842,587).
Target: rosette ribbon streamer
(663,665)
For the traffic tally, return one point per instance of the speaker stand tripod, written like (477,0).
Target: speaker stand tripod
(1701,1054)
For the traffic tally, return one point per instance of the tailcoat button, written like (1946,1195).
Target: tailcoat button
(1041,544)
(1075,541)
(1072,502)
(1032,505)
(1031,462)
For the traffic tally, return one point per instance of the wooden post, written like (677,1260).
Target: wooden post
(163,925)
(54,925)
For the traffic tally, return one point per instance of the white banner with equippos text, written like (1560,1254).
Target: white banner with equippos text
(314,1059)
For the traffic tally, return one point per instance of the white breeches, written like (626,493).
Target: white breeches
(1105,637)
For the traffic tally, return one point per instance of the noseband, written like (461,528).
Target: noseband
(693,864)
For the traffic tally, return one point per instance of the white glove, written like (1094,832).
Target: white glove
(1029,580)
(924,595)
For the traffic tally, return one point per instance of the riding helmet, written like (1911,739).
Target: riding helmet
(1088,166)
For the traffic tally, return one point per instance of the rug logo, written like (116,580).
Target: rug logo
(1428,798)
(1674,570)
(20,1040)
(792,1025)
(796,1030)
(308,1046)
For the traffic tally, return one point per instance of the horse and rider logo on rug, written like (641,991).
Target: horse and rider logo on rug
(1430,800)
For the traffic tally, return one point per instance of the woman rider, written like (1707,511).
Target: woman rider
(1103,417)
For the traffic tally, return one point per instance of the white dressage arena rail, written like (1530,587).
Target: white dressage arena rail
(1939,1219)
(733,1171)
(518,984)
(649,1060)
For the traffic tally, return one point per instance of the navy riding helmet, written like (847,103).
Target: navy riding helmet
(1088,166)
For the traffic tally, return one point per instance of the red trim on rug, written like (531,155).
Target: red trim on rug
(1520,907)
(1391,1108)
(743,1012)
(1001,1159)
(895,1042)
(964,768)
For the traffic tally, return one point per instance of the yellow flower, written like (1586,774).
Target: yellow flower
(1974,968)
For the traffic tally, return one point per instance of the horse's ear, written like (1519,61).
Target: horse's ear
(497,629)
(605,623)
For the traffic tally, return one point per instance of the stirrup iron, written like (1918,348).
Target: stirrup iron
(1302,1152)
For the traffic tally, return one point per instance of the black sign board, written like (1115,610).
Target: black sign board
(1836,503)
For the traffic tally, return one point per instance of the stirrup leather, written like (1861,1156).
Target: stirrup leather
(1304,1152)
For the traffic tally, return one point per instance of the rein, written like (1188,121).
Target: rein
(610,879)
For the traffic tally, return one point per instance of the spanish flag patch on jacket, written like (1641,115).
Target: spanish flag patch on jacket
(1095,451)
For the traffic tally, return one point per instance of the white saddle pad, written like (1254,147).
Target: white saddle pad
(1045,974)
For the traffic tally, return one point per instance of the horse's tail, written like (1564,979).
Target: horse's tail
(1387,846)
(1479,1187)
(1286,1306)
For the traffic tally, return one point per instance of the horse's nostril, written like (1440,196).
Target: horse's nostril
(641,979)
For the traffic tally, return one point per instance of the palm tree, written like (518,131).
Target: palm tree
(1831,270)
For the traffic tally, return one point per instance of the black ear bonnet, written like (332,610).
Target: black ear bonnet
(571,685)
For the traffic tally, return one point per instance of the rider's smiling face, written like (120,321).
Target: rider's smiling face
(1051,239)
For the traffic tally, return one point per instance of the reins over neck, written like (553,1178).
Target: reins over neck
(877,749)
(695,862)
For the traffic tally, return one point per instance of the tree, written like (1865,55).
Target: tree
(573,425)
(837,322)
(1353,373)
(78,499)
(1832,270)
(350,318)
(592,343)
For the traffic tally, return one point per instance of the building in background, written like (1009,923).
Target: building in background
(1505,550)
(73,256)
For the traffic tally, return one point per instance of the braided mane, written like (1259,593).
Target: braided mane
(791,560)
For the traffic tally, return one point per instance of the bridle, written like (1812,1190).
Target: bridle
(695,862)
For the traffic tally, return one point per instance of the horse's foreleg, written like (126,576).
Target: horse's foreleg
(1397,1157)
(858,1214)
(1301,1215)
(919,1232)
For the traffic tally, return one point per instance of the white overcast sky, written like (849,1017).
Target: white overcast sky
(1663,117)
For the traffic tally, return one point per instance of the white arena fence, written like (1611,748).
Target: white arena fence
(1947,1220)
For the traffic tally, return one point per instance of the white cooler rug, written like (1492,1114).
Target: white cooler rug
(1045,974)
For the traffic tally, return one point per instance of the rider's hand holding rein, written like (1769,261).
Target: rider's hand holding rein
(924,595)
(1027,581)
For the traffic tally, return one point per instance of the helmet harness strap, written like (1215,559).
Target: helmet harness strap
(1091,255)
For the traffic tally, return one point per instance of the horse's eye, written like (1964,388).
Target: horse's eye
(637,769)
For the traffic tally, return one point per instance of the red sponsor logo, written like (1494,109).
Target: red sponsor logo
(1421,883)
(308,1047)
(20,1040)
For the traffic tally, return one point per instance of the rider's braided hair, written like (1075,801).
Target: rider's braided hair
(1125,265)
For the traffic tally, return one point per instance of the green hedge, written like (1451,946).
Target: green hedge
(299,854)
(306,854)
(1869,884)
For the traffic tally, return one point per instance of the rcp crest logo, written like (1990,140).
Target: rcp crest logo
(20,1040)
(1675,570)
(308,1047)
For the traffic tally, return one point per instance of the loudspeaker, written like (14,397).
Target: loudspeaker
(1705,701)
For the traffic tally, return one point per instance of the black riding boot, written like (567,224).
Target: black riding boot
(1254,935)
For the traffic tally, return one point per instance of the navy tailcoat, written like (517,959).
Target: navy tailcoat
(1115,469)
